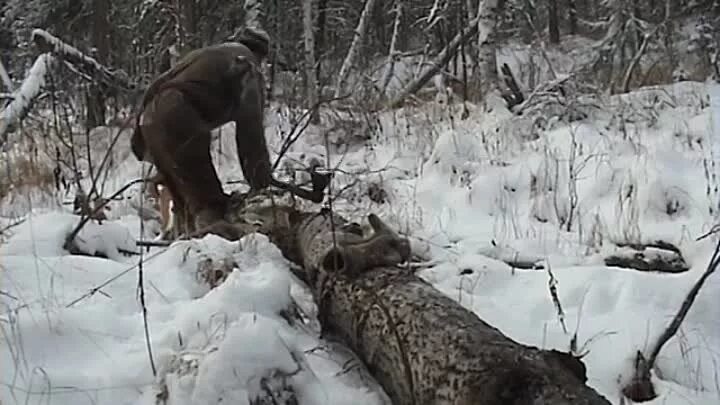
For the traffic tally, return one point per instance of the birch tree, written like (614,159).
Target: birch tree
(393,52)
(487,46)
(96,96)
(354,50)
(310,62)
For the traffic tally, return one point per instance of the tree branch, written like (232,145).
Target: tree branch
(46,42)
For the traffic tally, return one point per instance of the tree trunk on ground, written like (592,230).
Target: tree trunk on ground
(354,50)
(310,61)
(421,346)
(101,42)
(438,63)
(553,23)
(487,44)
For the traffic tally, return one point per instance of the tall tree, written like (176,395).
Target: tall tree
(101,40)
(310,60)
(572,16)
(487,16)
(553,22)
(320,36)
(358,37)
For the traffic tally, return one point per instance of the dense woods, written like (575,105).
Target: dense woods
(71,69)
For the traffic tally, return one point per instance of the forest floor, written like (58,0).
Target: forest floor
(478,197)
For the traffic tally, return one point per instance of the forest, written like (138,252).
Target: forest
(360,202)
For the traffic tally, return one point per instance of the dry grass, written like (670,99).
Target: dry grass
(23,172)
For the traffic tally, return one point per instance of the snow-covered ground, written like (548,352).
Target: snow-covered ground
(469,193)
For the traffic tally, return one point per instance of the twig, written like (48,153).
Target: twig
(141,294)
(97,288)
(306,122)
(12,225)
(141,291)
(8,295)
(552,286)
(715,229)
(105,283)
(685,307)
(641,388)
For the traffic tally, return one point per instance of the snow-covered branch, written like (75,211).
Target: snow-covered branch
(86,64)
(23,97)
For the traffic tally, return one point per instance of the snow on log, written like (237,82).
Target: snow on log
(23,98)
(421,346)
(86,64)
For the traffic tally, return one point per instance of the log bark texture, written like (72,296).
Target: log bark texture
(421,346)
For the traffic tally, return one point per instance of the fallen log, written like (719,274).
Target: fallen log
(421,346)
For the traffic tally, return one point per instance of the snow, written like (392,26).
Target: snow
(471,194)
(93,350)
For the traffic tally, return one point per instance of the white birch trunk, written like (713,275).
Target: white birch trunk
(392,54)
(352,54)
(487,46)
(310,63)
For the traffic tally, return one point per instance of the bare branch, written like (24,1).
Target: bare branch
(437,63)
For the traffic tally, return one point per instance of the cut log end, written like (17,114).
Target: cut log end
(353,254)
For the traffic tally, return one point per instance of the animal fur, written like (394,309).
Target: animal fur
(207,88)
